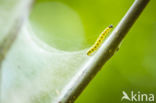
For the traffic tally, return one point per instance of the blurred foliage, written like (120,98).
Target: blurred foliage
(72,25)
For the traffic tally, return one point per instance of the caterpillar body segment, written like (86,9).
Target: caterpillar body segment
(99,41)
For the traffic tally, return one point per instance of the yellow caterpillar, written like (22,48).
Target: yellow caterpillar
(99,40)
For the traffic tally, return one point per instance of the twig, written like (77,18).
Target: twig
(12,34)
(9,39)
(79,82)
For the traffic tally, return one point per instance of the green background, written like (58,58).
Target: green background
(73,25)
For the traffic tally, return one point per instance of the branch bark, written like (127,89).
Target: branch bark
(109,47)
(12,34)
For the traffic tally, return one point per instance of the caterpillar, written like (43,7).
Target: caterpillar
(99,41)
